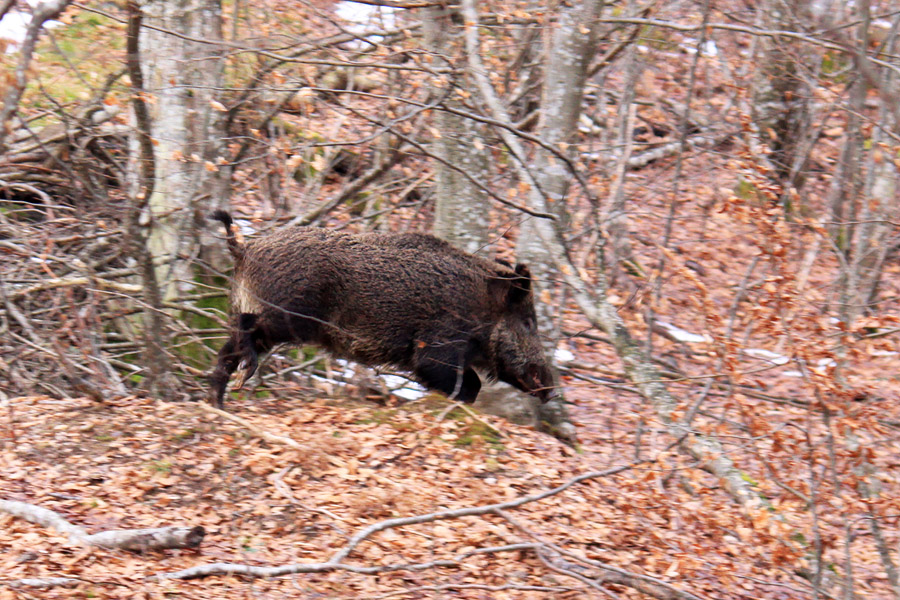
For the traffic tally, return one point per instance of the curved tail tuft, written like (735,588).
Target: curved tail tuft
(235,245)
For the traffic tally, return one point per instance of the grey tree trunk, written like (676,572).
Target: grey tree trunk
(880,205)
(182,76)
(571,46)
(460,214)
(569,51)
(780,95)
(615,215)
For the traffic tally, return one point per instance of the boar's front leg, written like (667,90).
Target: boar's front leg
(228,360)
(442,368)
(247,347)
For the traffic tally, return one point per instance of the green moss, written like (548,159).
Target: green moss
(473,432)
(479,433)
(378,416)
(748,479)
(160,466)
(657,38)
(746,190)
(185,435)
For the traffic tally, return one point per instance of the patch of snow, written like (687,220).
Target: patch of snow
(563,356)
(14,25)
(360,16)
(709,47)
(775,359)
(399,386)
(683,336)
(410,392)
(792,374)
(245,226)
(826,362)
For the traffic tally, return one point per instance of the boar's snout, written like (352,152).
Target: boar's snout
(541,384)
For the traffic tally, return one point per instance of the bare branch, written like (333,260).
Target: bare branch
(44,12)
(335,563)
(161,538)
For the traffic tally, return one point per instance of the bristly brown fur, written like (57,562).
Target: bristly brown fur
(408,300)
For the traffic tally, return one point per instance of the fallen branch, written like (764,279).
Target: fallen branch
(43,582)
(694,142)
(50,284)
(255,430)
(138,540)
(241,569)
(336,562)
(475,586)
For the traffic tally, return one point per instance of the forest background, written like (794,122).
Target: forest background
(706,192)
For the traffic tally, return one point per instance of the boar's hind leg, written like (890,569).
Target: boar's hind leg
(229,357)
(442,373)
(246,345)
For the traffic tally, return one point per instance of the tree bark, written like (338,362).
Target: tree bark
(460,215)
(780,95)
(570,48)
(184,77)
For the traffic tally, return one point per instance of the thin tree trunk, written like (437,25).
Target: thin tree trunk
(880,206)
(781,96)
(571,46)
(183,77)
(460,212)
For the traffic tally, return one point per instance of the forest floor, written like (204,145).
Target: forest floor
(134,462)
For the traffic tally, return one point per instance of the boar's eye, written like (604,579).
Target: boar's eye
(530,323)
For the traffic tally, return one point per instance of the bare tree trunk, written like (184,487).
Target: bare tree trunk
(461,208)
(154,353)
(880,206)
(615,216)
(571,46)
(460,213)
(781,95)
(183,76)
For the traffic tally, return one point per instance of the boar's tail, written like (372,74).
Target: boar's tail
(232,234)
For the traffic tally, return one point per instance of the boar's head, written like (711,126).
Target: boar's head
(515,353)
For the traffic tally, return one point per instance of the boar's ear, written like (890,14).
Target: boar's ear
(510,289)
(521,284)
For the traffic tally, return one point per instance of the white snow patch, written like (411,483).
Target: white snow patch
(563,356)
(360,16)
(245,226)
(708,48)
(683,336)
(399,386)
(775,359)
(14,25)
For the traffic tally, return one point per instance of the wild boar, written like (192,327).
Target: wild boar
(409,300)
